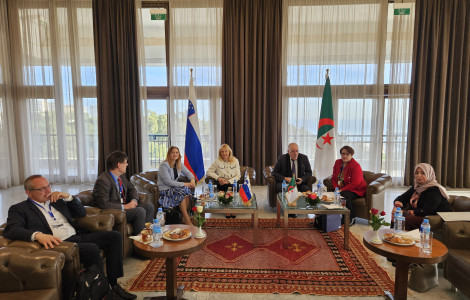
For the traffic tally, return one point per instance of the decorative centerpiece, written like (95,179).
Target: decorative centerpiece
(199,221)
(377,221)
(225,198)
(312,200)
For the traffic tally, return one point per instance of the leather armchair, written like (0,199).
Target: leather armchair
(30,274)
(457,204)
(376,185)
(95,220)
(271,184)
(245,172)
(146,183)
(120,222)
(457,265)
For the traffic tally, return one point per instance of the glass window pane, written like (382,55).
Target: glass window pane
(155,51)
(157,123)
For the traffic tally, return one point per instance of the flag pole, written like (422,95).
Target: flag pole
(327,75)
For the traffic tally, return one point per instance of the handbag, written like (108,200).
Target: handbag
(423,277)
(172,215)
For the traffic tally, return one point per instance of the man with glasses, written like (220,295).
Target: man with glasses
(46,217)
(112,190)
(293,164)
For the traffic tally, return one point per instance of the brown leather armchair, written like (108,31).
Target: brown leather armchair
(120,221)
(457,265)
(458,204)
(271,184)
(30,274)
(376,185)
(146,183)
(95,220)
(245,172)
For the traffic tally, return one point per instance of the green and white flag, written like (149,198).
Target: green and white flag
(292,192)
(325,152)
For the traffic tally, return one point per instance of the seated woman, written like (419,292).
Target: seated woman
(426,197)
(348,177)
(225,170)
(172,191)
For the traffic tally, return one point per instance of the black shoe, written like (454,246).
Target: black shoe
(292,216)
(233,217)
(228,217)
(122,293)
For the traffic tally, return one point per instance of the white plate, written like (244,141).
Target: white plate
(175,240)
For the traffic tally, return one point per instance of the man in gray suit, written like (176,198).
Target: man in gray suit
(113,190)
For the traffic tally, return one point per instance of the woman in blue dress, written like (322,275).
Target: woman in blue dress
(172,191)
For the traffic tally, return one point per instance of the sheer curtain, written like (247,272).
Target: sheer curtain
(398,76)
(345,37)
(196,42)
(53,67)
(9,171)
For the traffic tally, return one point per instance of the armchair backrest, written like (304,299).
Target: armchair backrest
(459,203)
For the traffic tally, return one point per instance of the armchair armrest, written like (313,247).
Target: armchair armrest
(379,184)
(436,223)
(29,269)
(97,222)
(457,234)
(329,185)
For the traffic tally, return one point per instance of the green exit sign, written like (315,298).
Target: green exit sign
(158,16)
(401,11)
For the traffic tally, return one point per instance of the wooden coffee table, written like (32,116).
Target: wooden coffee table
(171,250)
(404,255)
(303,208)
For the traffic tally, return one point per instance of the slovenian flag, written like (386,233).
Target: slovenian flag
(325,152)
(245,191)
(193,160)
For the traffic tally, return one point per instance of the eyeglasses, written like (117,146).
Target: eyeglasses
(43,189)
(345,154)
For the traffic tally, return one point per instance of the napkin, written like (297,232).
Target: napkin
(332,206)
(139,239)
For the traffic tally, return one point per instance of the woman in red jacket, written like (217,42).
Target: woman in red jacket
(348,177)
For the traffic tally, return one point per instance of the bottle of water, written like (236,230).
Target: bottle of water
(319,189)
(398,213)
(234,187)
(284,187)
(211,190)
(157,234)
(337,196)
(161,217)
(425,236)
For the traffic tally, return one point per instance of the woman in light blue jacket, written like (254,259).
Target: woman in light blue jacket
(172,191)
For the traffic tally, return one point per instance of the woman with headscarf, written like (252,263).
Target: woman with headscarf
(426,197)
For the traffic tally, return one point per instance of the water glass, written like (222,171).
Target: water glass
(343,202)
(426,245)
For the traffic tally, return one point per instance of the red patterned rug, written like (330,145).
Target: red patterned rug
(315,263)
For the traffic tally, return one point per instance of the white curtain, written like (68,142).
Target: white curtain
(398,65)
(349,37)
(196,42)
(9,171)
(53,66)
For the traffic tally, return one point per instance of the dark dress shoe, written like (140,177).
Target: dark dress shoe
(292,216)
(233,217)
(228,216)
(118,290)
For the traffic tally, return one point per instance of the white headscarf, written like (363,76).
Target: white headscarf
(430,180)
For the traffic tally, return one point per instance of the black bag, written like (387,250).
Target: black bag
(91,285)
(172,215)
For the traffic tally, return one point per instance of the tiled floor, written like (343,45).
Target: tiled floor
(132,266)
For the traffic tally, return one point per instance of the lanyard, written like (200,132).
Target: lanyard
(48,211)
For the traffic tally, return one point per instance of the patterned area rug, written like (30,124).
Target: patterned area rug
(315,263)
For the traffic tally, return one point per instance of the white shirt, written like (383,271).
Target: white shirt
(59,225)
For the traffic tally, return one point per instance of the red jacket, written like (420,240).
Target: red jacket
(353,179)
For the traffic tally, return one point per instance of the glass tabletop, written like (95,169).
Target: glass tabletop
(217,205)
(303,205)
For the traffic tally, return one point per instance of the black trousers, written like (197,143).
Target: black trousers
(89,245)
(350,196)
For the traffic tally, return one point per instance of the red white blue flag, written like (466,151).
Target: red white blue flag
(193,159)
(245,191)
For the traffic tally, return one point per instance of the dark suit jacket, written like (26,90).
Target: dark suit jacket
(25,218)
(283,168)
(106,195)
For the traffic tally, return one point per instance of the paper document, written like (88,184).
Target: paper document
(455,216)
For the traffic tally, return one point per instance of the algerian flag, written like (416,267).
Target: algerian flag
(292,192)
(325,152)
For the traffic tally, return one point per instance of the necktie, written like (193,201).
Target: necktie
(293,168)
(121,190)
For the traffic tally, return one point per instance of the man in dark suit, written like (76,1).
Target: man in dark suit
(46,217)
(293,164)
(113,190)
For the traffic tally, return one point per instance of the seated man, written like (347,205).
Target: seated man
(292,164)
(46,217)
(113,190)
